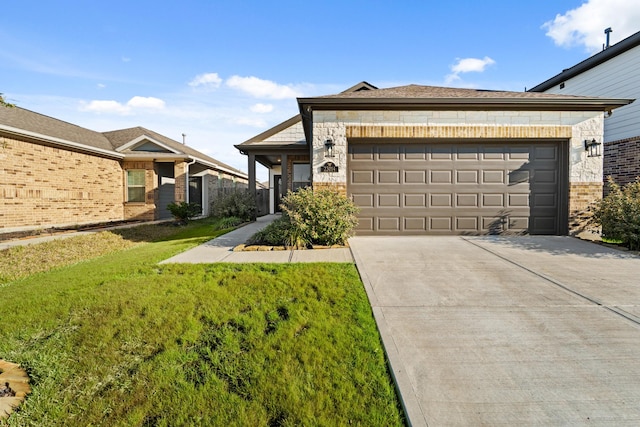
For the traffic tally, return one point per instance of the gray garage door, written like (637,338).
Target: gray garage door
(417,188)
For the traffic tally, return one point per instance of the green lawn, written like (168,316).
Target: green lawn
(120,340)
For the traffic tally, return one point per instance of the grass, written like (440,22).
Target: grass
(119,340)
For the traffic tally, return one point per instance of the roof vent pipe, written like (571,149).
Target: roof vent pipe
(184,139)
(608,32)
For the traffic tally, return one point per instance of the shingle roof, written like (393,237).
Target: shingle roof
(49,128)
(417,97)
(123,136)
(23,119)
(436,92)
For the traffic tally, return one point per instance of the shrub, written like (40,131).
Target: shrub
(240,204)
(228,222)
(183,211)
(322,217)
(278,233)
(619,214)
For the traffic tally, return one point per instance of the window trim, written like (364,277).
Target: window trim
(143,186)
(293,175)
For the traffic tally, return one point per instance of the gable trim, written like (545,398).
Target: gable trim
(142,138)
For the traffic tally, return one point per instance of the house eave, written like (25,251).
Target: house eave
(58,142)
(558,104)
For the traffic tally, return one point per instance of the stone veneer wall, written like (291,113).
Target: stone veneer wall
(144,211)
(42,187)
(584,172)
(622,160)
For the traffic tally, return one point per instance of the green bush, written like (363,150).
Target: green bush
(619,214)
(322,217)
(183,211)
(240,204)
(228,222)
(278,233)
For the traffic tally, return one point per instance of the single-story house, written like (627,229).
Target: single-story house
(57,174)
(611,73)
(435,160)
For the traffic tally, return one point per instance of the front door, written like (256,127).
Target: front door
(277,182)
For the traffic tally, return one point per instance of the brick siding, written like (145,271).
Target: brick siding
(43,186)
(622,160)
(582,195)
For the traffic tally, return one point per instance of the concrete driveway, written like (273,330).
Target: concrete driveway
(507,331)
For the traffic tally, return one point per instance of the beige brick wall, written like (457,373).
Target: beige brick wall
(338,187)
(43,187)
(582,195)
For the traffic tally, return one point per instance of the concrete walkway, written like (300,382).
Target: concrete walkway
(220,249)
(507,331)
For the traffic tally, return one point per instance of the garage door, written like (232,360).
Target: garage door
(417,188)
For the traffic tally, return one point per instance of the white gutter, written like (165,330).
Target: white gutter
(62,142)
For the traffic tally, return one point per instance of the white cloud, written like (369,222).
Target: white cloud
(261,108)
(125,59)
(146,102)
(101,85)
(585,25)
(210,80)
(246,121)
(468,65)
(115,107)
(260,88)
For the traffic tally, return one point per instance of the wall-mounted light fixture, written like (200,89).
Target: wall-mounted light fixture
(328,148)
(593,147)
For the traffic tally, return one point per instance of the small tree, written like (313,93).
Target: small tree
(4,103)
(619,213)
(183,211)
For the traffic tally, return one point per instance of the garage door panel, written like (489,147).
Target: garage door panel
(419,188)
(389,200)
(545,176)
(546,153)
(493,200)
(440,200)
(468,224)
(361,177)
(363,200)
(441,177)
(389,223)
(520,176)
(389,177)
(466,176)
(493,176)
(467,200)
(440,223)
(415,176)
(415,200)
(518,200)
(415,224)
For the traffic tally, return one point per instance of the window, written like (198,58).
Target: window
(135,185)
(301,176)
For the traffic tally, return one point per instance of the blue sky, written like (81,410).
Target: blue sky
(224,71)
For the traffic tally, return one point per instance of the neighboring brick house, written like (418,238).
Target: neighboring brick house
(432,160)
(613,72)
(56,174)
